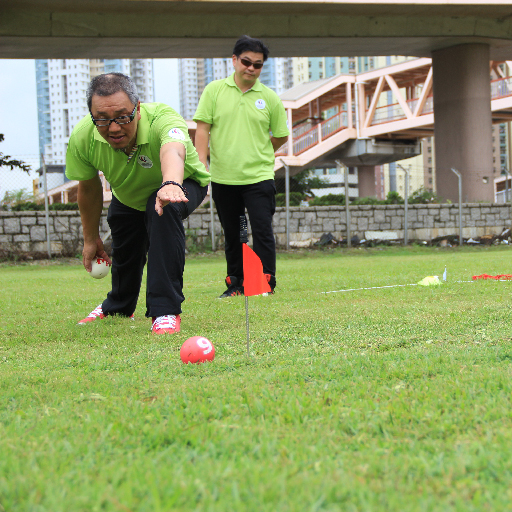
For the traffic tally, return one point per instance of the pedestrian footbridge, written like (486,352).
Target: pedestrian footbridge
(375,117)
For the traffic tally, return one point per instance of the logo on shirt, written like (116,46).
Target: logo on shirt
(145,161)
(260,104)
(176,133)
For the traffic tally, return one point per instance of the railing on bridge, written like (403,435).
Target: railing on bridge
(307,135)
(394,112)
(501,88)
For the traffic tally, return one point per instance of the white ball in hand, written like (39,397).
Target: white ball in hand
(100,268)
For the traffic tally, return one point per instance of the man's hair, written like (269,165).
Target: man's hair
(110,83)
(249,44)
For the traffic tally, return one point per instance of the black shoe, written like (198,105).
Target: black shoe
(235,287)
(271,280)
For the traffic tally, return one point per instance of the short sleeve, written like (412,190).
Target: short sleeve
(279,120)
(171,127)
(204,111)
(78,167)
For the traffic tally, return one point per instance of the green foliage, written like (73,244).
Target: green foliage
(295,199)
(366,201)
(31,206)
(7,161)
(328,199)
(394,399)
(197,244)
(63,206)
(13,198)
(423,196)
(303,182)
(27,206)
(394,197)
(420,196)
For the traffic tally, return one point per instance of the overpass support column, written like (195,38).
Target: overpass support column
(463,123)
(366,180)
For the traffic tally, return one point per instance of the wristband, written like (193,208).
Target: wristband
(165,183)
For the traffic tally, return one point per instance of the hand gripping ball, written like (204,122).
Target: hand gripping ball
(100,268)
(197,350)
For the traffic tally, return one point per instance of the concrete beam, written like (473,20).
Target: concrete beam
(168,28)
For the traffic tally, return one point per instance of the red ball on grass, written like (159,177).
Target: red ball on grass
(197,349)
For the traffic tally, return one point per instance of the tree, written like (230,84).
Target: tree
(423,196)
(14,198)
(5,160)
(302,182)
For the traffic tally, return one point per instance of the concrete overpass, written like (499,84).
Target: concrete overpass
(461,37)
(204,28)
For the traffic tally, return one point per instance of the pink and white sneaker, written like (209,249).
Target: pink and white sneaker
(166,324)
(96,314)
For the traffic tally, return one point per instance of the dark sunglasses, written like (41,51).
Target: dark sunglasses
(248,63)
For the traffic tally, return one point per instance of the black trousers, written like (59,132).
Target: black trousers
(140,236)
(260,201)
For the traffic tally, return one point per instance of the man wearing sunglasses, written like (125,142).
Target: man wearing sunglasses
(157,180)
(245,123)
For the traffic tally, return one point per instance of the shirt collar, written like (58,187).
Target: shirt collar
(230,80)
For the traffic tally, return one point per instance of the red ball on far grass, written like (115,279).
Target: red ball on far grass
(197,349)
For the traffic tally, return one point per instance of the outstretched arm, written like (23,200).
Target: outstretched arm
(172,160)
(90,203)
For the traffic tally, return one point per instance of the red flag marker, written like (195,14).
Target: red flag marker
(255,282)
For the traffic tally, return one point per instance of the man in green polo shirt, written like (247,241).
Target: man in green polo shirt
(157,180)
(245,123)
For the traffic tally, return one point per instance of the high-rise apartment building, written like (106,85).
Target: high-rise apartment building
(61,91)
(306,69)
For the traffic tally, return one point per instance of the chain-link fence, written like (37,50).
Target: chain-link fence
(17,186)
(319,187)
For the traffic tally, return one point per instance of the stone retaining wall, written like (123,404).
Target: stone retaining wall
(26,231)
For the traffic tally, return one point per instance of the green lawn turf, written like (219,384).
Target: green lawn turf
(393,399)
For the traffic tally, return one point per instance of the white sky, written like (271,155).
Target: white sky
(18,113)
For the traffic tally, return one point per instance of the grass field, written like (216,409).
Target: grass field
(393,399)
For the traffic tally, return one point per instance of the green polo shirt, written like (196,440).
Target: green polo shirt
(133,180)
(240,149)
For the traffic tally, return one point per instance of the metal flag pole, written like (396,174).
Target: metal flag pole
(247,325)
(245,239)
(212,219)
